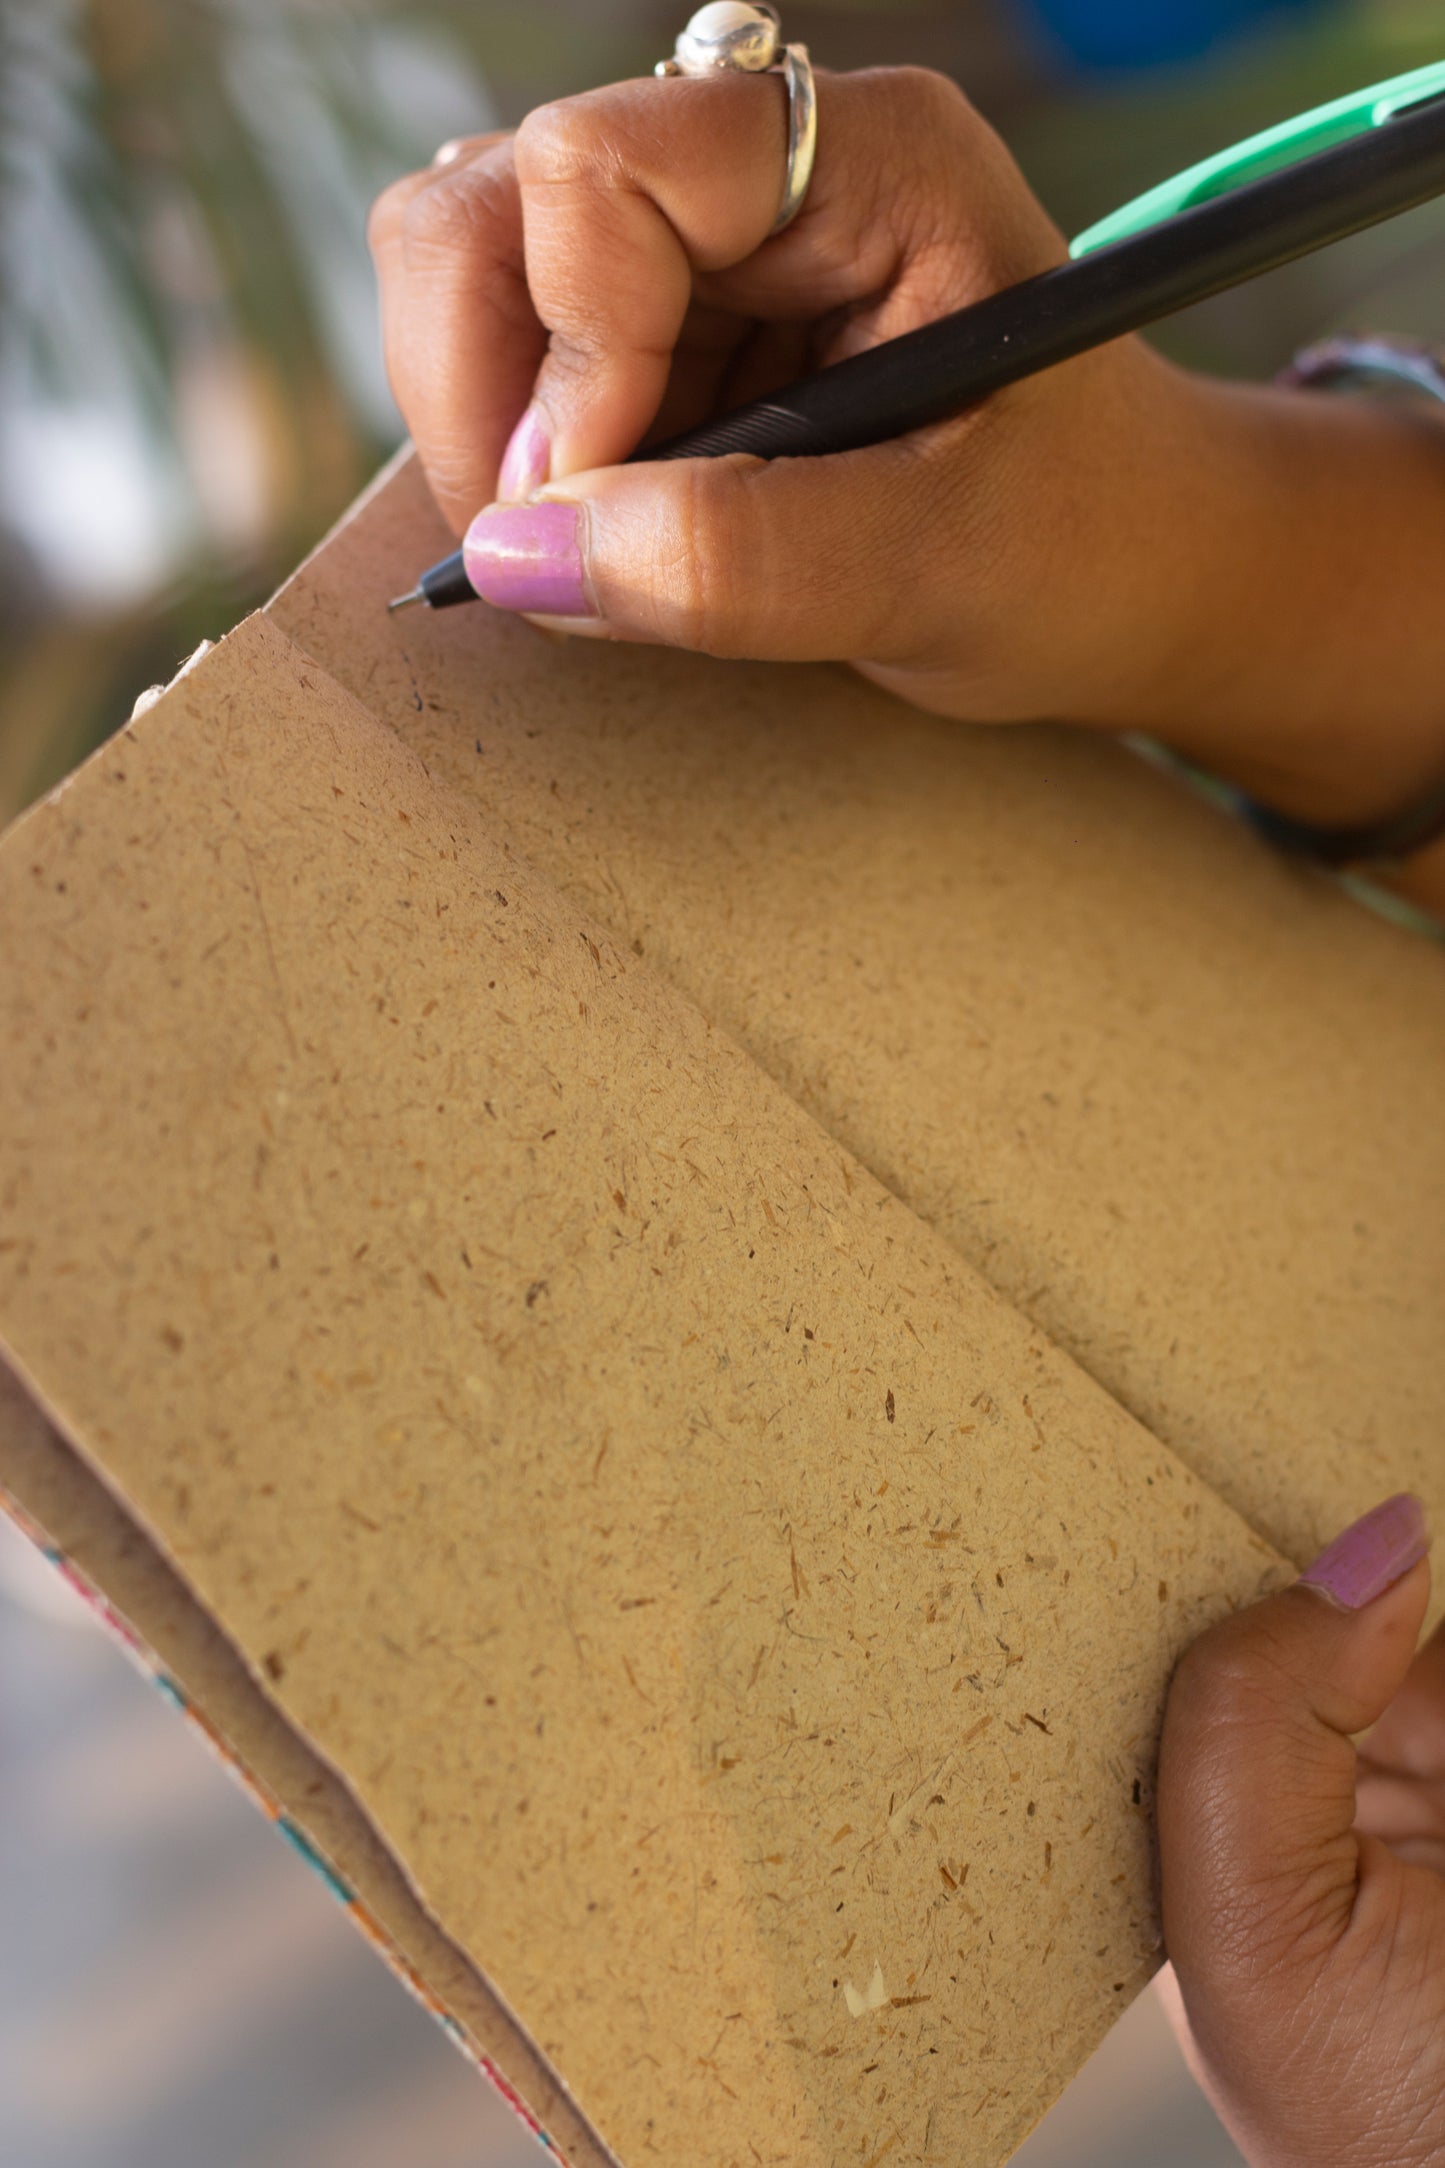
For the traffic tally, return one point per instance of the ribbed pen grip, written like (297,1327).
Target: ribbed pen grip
(764,428)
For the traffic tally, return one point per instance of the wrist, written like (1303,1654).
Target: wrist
(1304,660)
(1153,538)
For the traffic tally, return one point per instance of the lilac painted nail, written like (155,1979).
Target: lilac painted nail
(526,460)
(529,557)
(1372,1554)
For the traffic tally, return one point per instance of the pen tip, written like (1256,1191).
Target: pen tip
(402,602)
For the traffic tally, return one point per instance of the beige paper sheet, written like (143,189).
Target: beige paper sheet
(744,1627)
(1176,1099)
(82,1519)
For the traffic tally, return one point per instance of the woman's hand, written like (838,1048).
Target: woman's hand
(1251,575)
(1303,1883)
(604,277)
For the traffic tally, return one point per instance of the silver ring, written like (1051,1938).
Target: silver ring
(734,36)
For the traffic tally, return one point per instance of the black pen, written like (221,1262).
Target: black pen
(1243,212)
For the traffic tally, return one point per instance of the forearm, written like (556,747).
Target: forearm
(1304,656)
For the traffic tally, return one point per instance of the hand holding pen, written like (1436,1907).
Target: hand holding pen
(1248,574)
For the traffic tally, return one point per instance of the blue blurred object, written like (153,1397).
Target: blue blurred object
(1142,33)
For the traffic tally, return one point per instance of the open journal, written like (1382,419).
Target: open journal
(663,1290)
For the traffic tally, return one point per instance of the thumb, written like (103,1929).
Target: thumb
(785,560)
(1271,1900)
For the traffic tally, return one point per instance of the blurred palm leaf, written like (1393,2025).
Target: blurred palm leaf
(190,378)
(183,186)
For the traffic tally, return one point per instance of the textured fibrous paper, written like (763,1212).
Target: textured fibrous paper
(1173,1095)
(704,1278)
(83,1521)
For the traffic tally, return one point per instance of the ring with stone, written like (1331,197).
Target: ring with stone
(732,36)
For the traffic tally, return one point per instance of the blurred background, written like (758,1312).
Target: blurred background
(190,392)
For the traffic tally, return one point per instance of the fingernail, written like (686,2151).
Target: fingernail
(526,460)
(1372,1554)
(529,557)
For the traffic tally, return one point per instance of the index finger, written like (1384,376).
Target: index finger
(461,338)
(627,192)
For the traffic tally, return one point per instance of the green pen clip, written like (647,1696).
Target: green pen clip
(1266,153)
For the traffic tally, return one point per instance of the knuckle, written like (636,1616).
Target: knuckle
(694,565)
(388,210)
(730,582)
(1209,1682)
(1210,1698)
(442,219)
(705,586)
(941,94)
(559,142)
(943,180)
(457,215)
(1235,1682)
(543,140)
(926,93)
(451,472)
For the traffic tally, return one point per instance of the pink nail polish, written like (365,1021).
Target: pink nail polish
(529,557)
(527,460)
(1372,1554)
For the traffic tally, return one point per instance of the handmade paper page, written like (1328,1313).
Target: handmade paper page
(62,1503)
(746,1630)
(1175,1097)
